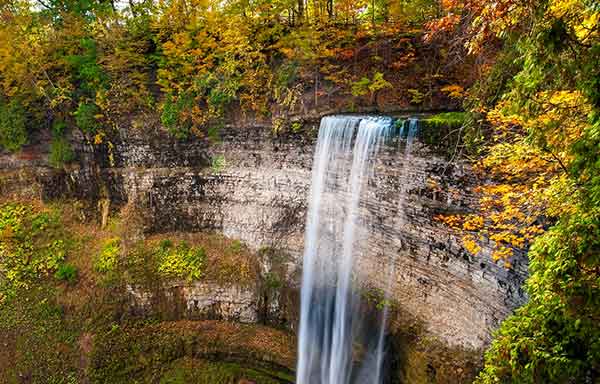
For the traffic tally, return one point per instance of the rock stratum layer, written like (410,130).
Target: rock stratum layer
(253,185)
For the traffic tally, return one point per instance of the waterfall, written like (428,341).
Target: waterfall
(413,126)
(331,325)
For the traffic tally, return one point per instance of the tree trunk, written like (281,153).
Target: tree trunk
(300,11)
(373,13)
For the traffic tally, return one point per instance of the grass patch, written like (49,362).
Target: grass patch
(208,372)
(449,131)
(61,152)
(214,257)
(66,272)
(38,343)
(218,163)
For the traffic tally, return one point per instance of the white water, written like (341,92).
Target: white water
(331,325)
(413,126)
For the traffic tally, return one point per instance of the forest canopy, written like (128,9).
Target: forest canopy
(85,64)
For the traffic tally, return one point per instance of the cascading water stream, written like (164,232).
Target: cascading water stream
(413,126)
(329,324)
(336,345)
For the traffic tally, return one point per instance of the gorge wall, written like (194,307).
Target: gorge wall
(253,185)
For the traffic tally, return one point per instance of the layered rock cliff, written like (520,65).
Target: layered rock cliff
(251,184)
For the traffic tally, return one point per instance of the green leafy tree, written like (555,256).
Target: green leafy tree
(366,86)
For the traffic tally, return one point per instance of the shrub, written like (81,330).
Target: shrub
(296,126)
(13,133)
(213,133)
(66,272)
(222,95)
(173,116)
(90,74)
(370,86)
(286,74)
(58,128)
(31,245)
(416,96)
(272,281)
(165,244)
(181,261)
(236,246)
(85,117)
(219,90)
(60,152)
(361,87)
(108,259)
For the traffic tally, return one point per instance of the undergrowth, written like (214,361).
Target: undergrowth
(64,316)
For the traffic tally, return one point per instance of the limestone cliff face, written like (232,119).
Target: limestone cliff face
(195,300)
(253,186)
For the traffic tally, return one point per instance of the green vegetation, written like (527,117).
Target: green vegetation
(13,131)
(366,86)
(38,341)
(448,119)
(172,116)
(190,371)
(236,246)
(526,72)
(62,321)
(541,124)
(66,272)
(218,163)
(202,257)
(108,259)
(60,152)
(181,261)
(416,96)
(187,64)
(85,117)
(454,134)
(32,246)
(174,352)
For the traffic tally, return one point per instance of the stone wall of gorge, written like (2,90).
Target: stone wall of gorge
(253,185)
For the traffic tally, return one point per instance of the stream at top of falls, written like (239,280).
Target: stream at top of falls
(339,343)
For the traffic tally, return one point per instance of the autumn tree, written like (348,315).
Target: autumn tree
(541,102)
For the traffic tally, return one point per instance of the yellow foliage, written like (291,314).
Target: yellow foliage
(455,91)
(99,138)
(473,223)
(529,180)
(470,244)
(452,221)
(502,253)
(581,17)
